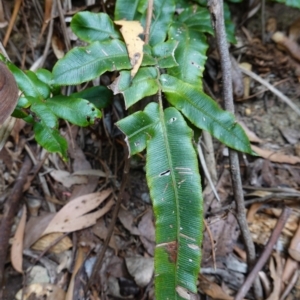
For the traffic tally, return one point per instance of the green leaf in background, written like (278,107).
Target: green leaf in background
(143,84)
(165,54)
(197,17)
(50,139)
(44,75)
(86,63)
(77,111)
(174,183)
(130,10)
(91,27)
(162,17)
(47,117)
(138,127)
(229,25)
(292,3)
(148,59)
(204,113)
(29,83)
(99,95)
(189,54)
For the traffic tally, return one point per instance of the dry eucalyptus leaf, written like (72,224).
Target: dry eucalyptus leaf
(67,179)
(127,220)
(275,156)
(73,215)
(78,263)
(16,254)
(44,242)
(131,31)
(212,289)
(250,134)
(141,269)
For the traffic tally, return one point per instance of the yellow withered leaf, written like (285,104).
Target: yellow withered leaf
(131,31)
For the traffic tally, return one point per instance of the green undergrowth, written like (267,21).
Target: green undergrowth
(171,72)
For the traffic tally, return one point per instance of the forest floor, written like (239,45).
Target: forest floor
(62,262)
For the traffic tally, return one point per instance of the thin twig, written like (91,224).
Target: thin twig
(63,25)
(12,205)
(206,172)
(49,36)
(268,198)
(216,10)
(148,20)
(12,21)
(266,254)
(279,94)
(213,253)
(112,224)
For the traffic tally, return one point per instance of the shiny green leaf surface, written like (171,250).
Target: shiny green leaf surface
(75,110)
(197,17)
(130,10)
(162,17)
(91,27)
(143,84)
(29,83)
(50,139)
(86,63)
(190,53)
(138,127)
(205,113)
(174,184)
(99,95)
(165,54)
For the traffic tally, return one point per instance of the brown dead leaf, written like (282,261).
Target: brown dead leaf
(250,134)
(237,78)
(67,179)
(294,249)
(131,31)
(276,157)
(246,79)
(100,230)
(73,215)
(290,45)
(147,231)
(212,289)
(45,241)
(294,31)
(78,263)
(127,221)
(42,291)
(276,273)
(80,163)
(16,254)
(141,269)
(35,227)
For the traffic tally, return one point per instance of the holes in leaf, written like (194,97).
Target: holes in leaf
(173,119)
(165,173)
(88,118)
(93,108)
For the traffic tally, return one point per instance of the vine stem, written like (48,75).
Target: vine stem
(217,15)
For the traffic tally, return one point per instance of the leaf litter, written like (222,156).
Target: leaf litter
(63,241)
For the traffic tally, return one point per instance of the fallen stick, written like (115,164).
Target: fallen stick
(12,205)
(271,88)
